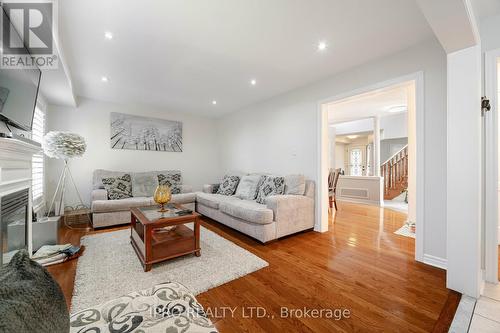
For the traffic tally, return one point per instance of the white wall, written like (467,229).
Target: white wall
(339,155)
(395,126)
(490,38)
(464,171)
(280,135)
(199,161)
(391,146)
(356,126)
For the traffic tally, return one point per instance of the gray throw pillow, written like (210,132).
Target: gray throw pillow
(270,185)
(248,186)
(172,180)
(228,185)
(31,301)
(144,184)
(295,184)
(118,187)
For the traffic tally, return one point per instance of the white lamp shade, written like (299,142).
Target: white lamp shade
(63,145)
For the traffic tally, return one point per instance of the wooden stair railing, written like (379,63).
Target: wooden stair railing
(395,173)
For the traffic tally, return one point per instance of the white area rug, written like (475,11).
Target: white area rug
(405,231)
(109,267)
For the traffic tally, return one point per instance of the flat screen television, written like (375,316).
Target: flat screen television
(18,92)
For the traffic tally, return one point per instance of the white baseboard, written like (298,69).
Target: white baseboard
(435,261)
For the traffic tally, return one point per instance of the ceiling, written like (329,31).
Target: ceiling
(382,102)
(181,55)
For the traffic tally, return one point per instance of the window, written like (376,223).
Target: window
(38,159)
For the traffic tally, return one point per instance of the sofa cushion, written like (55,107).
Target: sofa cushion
(99,174)
(31,301)
(171,178)
(167,307)
(183,198)
(247,210)
(270,185)
(102,206)
(144,184)
(213,200)
(295,184)
(228,185)
(118,187)
(247,188)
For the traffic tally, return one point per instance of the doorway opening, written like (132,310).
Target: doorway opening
(368,136)
(371,138)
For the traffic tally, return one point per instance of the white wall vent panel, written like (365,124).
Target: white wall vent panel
(358,193)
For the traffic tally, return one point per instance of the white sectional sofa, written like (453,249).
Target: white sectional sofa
(106,212)
(281,215)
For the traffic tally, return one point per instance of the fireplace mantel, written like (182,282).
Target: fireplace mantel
(15,171)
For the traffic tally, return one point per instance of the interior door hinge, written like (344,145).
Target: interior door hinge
(485,105)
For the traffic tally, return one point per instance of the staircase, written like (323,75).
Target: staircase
(395,173)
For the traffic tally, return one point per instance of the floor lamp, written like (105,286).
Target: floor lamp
(64,145)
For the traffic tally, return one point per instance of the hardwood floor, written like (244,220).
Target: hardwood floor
(358,265)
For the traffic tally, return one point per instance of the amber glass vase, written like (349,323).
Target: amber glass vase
(162,197)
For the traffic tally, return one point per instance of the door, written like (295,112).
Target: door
(357,161)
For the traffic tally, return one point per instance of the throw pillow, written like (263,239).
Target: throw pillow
(144,184)
(215,188)
(172,180)
(118,187)
(270,185)
(31,300)
(295,184)
(248,186)
(228,185)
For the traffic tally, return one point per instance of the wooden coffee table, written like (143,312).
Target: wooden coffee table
(153,244)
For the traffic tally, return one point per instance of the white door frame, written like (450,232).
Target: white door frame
(323,157)
(491,170)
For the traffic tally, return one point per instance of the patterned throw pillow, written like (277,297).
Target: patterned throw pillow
(118,187)
(172,180)
(270,185)
(228,185)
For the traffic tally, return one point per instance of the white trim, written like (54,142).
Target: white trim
(491,235)
(498,235)
(322,171)
(435,261)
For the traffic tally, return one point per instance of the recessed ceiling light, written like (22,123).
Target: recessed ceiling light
(253,82)
(352,137)
(108,35)
(214,102)
(104,79)
(322,46)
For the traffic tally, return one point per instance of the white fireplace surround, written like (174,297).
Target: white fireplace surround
(15,172)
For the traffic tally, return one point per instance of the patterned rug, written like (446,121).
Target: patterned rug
(109,267)
(405,231)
